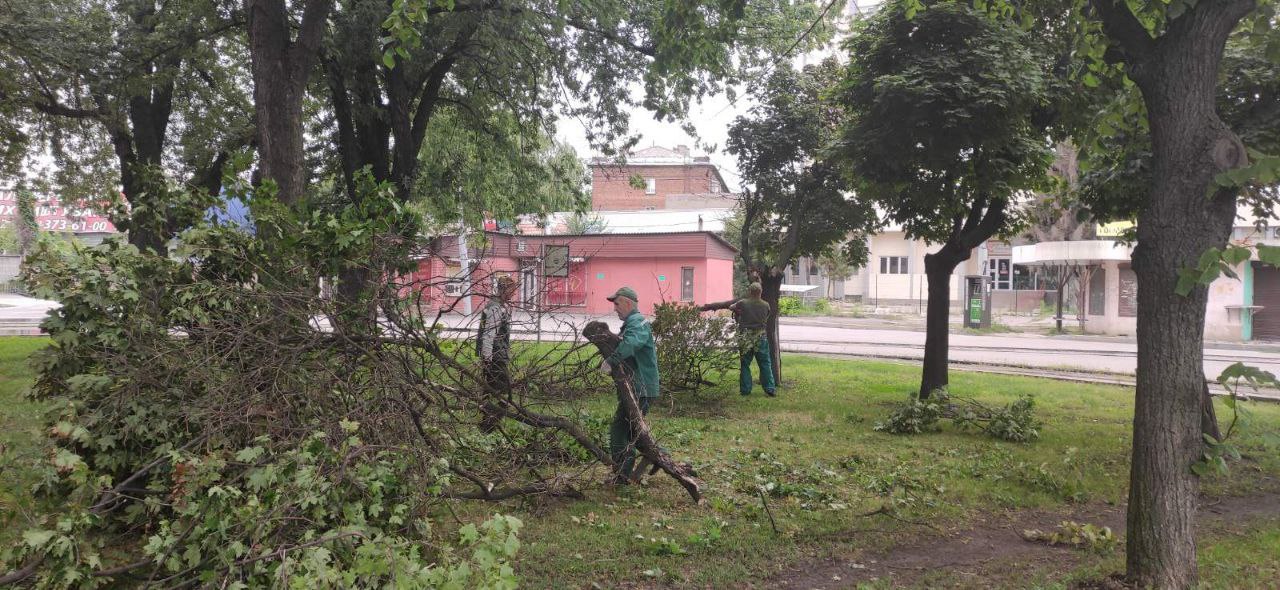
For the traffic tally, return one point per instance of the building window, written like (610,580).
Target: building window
(795,269)
(650,186)
(715,186)
(893,265)
(1128,293)
(1098,292)
(555,260)
(1001,272)
(686,283)
(813,268)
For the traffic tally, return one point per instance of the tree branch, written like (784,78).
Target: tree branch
(1124,28)
(429,96)
(304,52)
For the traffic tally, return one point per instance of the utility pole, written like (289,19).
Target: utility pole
(466,264)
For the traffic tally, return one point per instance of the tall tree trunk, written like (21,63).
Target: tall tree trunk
(1177,74)
(771,291)
(938,268)
(1168,409)
(281,67)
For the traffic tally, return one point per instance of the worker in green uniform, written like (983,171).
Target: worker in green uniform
(753,315)
(637,354)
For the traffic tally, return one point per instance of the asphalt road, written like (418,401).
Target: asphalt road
(863,337)
(1024,350)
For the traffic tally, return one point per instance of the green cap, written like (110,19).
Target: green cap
(627,292)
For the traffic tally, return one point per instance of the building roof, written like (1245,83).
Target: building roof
(1071,253)
(640,221)
(656,156)
(690,244)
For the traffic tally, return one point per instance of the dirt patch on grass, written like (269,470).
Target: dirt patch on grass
(993,553)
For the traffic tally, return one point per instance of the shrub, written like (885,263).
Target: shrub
(694,351)
(271,514)
(210,435)
(789,305)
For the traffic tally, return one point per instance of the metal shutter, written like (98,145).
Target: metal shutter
(1266,292)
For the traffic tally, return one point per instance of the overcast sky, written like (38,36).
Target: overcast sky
(711,119)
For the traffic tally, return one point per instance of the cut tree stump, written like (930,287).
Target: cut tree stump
(599,334)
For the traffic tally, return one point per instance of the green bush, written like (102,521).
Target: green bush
(278,515)
(206,433)
(694,350)
(789,305)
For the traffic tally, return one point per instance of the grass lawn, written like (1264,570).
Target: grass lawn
(21,434)
(790,480)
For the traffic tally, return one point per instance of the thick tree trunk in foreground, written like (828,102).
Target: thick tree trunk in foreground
(771,292)
(606,342)
(938,268)
(1180,219)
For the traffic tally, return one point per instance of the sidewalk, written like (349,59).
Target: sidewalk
(21,316)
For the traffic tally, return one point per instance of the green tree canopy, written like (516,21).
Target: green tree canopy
(122,95)
(946,115)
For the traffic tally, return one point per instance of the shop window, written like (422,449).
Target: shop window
(1098,292)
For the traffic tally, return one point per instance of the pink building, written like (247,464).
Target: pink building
(576,273)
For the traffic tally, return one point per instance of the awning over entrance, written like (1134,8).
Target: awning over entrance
(1071,253)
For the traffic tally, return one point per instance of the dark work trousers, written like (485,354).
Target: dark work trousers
(497,381)
(622,437)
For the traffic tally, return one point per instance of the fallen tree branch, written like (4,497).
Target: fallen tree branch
(606,342)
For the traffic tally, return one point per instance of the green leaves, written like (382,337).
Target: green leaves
(1231,377)
(945,111)
(37,538)
(1213,262)
(1264,170)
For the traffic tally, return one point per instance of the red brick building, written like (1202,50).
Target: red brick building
(671,179)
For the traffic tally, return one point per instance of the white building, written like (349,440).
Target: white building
(1247,308)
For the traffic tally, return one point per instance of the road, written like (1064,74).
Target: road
(861,337)
(1024,350)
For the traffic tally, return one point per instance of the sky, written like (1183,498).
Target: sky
(711,119)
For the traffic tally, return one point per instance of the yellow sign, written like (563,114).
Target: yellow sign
(1113,229)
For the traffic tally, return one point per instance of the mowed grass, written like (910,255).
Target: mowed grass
(790,481)
(22,441)
(821,466)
